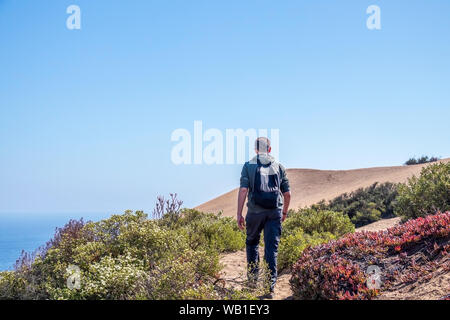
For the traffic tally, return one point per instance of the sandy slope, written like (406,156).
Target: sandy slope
(309,186)
(433,289)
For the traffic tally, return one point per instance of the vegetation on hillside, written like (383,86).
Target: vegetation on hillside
(365,205)
(428,193)
(421,160)
(309,227)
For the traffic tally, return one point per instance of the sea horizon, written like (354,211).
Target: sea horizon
(29,231)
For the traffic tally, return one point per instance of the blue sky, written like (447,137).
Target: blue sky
(86,115)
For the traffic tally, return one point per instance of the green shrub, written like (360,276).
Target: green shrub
(313,220)
(293,245)
(423,159)
(309,227)
(12,286)
(185,277)
(369,215)
(426,194)
(365,205)
(211,231)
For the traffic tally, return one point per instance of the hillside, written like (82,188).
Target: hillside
(309,186)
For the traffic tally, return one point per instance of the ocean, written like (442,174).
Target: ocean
(30,231)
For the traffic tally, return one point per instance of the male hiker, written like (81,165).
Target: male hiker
(264,181)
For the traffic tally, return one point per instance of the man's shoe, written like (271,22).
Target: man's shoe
(268,295)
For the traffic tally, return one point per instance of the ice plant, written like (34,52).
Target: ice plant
(337,269)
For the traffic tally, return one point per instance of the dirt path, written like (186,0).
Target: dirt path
(234,274)
(234,271)
(380,225)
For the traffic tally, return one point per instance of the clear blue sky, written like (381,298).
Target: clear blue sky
(86,115)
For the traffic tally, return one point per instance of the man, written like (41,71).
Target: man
(265,182)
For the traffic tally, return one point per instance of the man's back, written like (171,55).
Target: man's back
(248,176)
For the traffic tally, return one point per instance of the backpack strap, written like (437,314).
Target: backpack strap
(278,173)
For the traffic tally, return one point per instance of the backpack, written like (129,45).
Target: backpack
(267,186)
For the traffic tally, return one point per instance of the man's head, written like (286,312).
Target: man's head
(262,145)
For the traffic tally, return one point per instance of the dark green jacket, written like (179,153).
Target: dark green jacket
(248,181)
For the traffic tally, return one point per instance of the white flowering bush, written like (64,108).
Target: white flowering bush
(110,278)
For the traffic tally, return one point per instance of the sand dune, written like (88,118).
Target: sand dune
(309,186)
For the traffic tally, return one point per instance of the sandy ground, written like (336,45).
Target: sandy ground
(310,186)
(434,289)
(234,273)
(380,225)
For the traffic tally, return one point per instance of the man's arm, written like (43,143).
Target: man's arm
(287,200)
(241,200)
(285,189)
(243,191)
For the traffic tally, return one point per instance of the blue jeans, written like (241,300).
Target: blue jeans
(270,222)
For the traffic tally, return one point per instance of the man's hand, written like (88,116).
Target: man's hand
(241,200)
(241,222)
(287,200)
